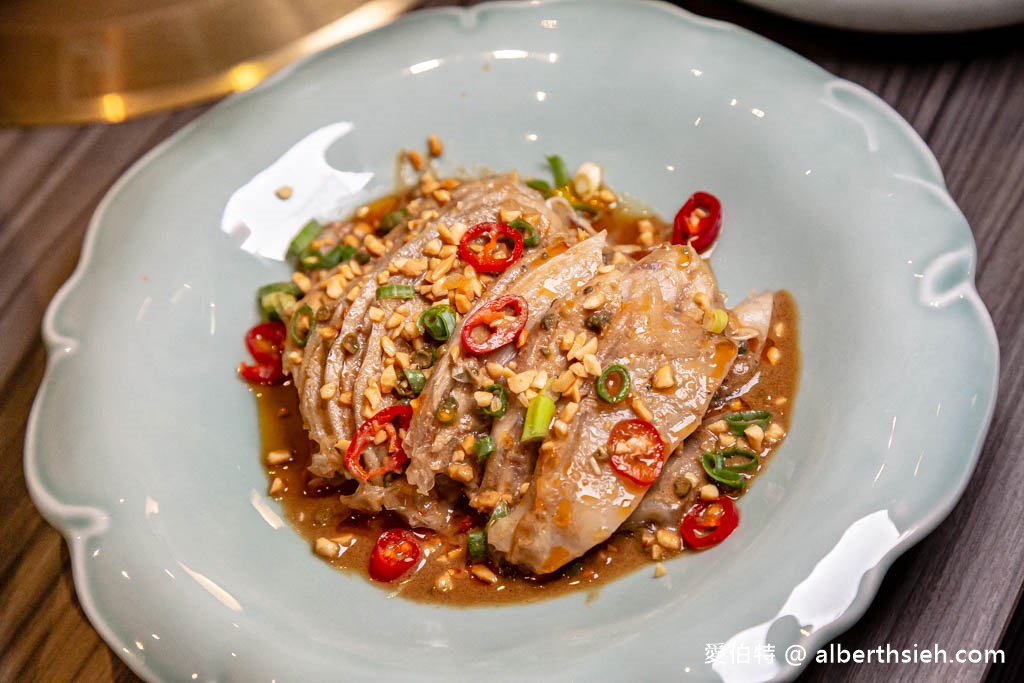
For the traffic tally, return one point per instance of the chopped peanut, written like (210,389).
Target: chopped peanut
(483,573)
(563,382)
(301,281)
(718,427)
(388,380)
(641,410)
(569,411)
(708,492)
(461,472)
(435,146)
(669,540)
(664,378)
(325,547)
(774,432)
(415,158)
(278,457)
(755,436)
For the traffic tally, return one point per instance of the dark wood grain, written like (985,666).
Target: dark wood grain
(958,588)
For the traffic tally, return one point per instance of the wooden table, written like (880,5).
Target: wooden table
(958,588)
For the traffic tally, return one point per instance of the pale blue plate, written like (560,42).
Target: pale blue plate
(143,446)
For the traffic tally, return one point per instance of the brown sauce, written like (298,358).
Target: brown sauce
(317,517)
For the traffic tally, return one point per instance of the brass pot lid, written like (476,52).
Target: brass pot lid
(73,61)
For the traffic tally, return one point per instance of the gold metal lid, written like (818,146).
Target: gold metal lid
(70,61)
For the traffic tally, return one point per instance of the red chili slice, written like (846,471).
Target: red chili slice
(637,451)
(265,343)
(261,373)
(487,259)
(704,526)
(396,552)
(502,330)
(698,222)
(364,436)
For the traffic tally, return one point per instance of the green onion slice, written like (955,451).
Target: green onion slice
(613,384)
(304,238)
(438,322)
(411,384)
(717,468)
(314,259)
(530,236)
(304,312)
(500,510)
(396,292)
(500,393)
(361,257)
(276,298)
(350,343)
(483,447)
(559,171)
(592,211)
(391,219)
(541,186)
(423,358)
(447,410)
(539,413)
(477,544)
(738,422)
(716,320)
(598,321)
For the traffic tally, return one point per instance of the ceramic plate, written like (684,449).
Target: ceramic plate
(901,16)
(143,446)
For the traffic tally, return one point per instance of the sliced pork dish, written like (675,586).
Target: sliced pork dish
(501,388)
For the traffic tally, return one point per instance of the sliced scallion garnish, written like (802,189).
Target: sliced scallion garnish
(559,171)
(302,317)
(438,322)
(613,384)
(304,238)
(477,544)
(350,343)
(501,394)
(483,447)
(739,421)
(314,259)
(391,219)
(415,379)
(447,410)
(716,320)
(598,320)
(714,463)
(396,292)
(590,210)
(530,236)
(541,186)
(539,414)
(500,510)
(423,358)
(276,298)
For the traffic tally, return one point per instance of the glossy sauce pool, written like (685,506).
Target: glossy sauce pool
(325,517)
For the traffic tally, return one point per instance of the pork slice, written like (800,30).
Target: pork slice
(577,500)
(431,446)
(748,327)
(511,464)
(326,362)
